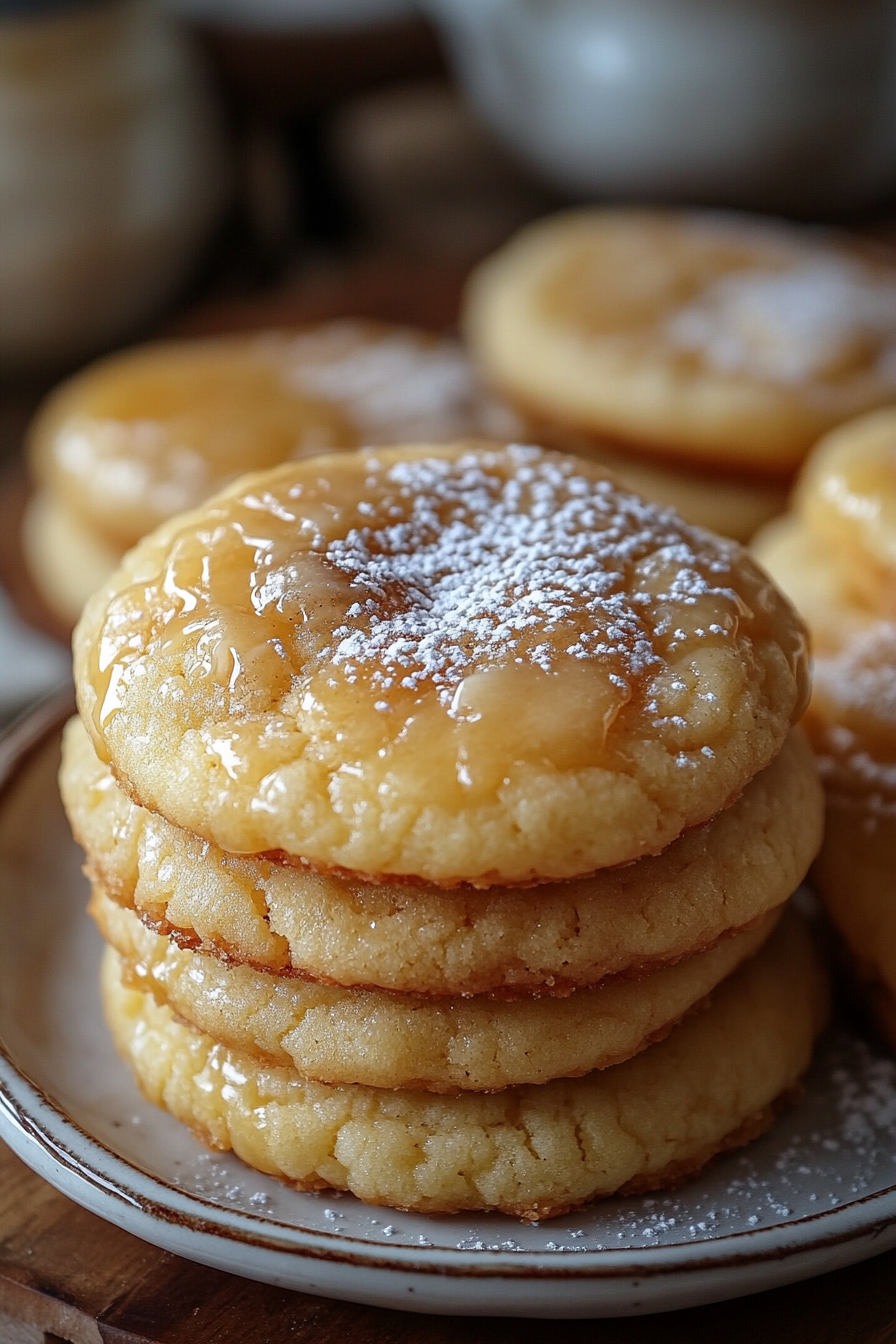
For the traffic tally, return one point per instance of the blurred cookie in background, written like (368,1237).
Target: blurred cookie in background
(714,348)
(835,556)
(152,431)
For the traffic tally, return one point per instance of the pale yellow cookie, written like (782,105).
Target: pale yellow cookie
(66,559)
(152,431)
(398,1041)
(806,568)
(851,717)
(717,339)
(846,497)
(833,557)
(453,664)
(855,875)
(424,940)
(529,1151)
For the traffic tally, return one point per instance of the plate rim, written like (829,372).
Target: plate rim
(31,1119)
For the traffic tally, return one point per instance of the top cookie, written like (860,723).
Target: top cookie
(711,338)
(456,664)
(149,432)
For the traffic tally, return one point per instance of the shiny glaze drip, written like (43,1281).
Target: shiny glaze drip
(481,606)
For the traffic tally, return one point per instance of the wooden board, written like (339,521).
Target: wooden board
(66,1274)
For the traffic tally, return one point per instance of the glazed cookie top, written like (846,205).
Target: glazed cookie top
(456,664)
(144,434)
(710,337)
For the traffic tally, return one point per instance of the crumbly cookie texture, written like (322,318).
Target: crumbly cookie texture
(455,664)
(528,1151)
(149,432)
(397,1041)
(705,337)
(425,940)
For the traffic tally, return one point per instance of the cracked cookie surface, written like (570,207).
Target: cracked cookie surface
(529,1151)
(397,1041)
(546,940)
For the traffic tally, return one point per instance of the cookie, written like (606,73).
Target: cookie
(853,727)
(708,339)
(854,877)
(534,1152)
(851,718)
(398,1041)
(833,556)
(806,568)
(66,559)
(424,940)
(846,498)
(150,432)
(448,664)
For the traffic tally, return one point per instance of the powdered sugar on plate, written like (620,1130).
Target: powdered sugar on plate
(835,1146)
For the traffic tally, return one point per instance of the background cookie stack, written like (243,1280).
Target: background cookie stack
(835,554)
(699,355)
(364,743)
(146,433)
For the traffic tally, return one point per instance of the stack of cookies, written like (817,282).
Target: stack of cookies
(440,806)
(835,554)
(699,356)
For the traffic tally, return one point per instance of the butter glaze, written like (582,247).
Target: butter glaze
(426,627)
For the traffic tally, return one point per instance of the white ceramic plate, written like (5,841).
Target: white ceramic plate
(816,1193)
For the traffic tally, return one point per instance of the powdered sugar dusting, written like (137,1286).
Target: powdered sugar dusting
(859,678)
(854,709)
(397,385)
(511,557)
(819,318)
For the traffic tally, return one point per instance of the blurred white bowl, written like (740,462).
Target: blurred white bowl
(773,104)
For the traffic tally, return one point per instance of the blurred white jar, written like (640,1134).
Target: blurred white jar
(787,104)
(111,174)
